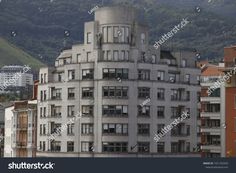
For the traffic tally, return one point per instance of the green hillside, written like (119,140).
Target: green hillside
(10,54)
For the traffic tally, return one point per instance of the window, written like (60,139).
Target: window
(71,74)
(115,73)
(87,129)
(60,77)
(115,92)
(118,129)
(160,127)
(160,147)
(183,63)
(143,92)
(70,129)
(175,95)
(110,35)
(187,95)
(127,56)
(119,147)
(144,111)
(187,78)
(122,35)
(89,38)
(70,146)
(87,110)
(41,112)
(87,92)
(144,74)
(153,59)
(71,111)
(122,56)
(127,34)
(104,33)
(172,78)
(109,58)
(56,146)
(160,75)
(55,111)
(56,93)
(89,56)
(174,147)
(78,57)
(87,74)
(87,147)
(160,112)
(143,38)
(115,55)
(115,33)
(143,129)
(71,93)
(160,94)
(115,111)
(143,147)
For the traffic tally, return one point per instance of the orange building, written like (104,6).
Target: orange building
(230,102)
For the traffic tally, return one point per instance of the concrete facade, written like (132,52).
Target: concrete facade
(106,80)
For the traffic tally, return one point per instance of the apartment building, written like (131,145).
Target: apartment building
(229,101)
(124,90)
(211,129)
(20,129)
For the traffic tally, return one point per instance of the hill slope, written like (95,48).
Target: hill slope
(9,54)
(40,25)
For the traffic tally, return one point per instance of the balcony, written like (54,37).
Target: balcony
(212,148)
(211,130)
(211,115)
(210,99)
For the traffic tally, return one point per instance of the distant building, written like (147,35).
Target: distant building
(15,77)
(106,80)
(229,101)
(211,129)
(20,129)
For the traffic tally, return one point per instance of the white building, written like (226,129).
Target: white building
(15,76)
(107,79)
(20,129)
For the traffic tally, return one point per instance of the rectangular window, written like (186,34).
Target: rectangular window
(89,38)
(70,129)
(87,129)
(71,74)
(87,147)
(89,56)
(143,129)
(122,55)
(56,93)
(70,146)
(144,111)
(118,147)
(116,36)
(160,94)
(115,73)
(160,75)
(87,110)
(144,74)
(160,112)
(187,78)
(160,127)
(71,111)
(87,74)
(143,147)
(87,92)
(115,55)
(117,129)
(104,33)
(115,111)
(122,34)
(115,92)
(183,63)
(71,93)
(161,147)
(109,57)
(127,34)
(110,35)
(78,58)
(143,92)
(56,146)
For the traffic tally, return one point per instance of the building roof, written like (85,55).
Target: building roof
(212,70)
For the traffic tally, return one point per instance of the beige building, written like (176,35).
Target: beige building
(106,80)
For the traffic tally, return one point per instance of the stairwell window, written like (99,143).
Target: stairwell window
(89,38)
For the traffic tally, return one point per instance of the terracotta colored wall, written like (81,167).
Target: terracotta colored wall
(230,122)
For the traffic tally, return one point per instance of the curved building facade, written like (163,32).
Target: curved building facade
(123,90)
